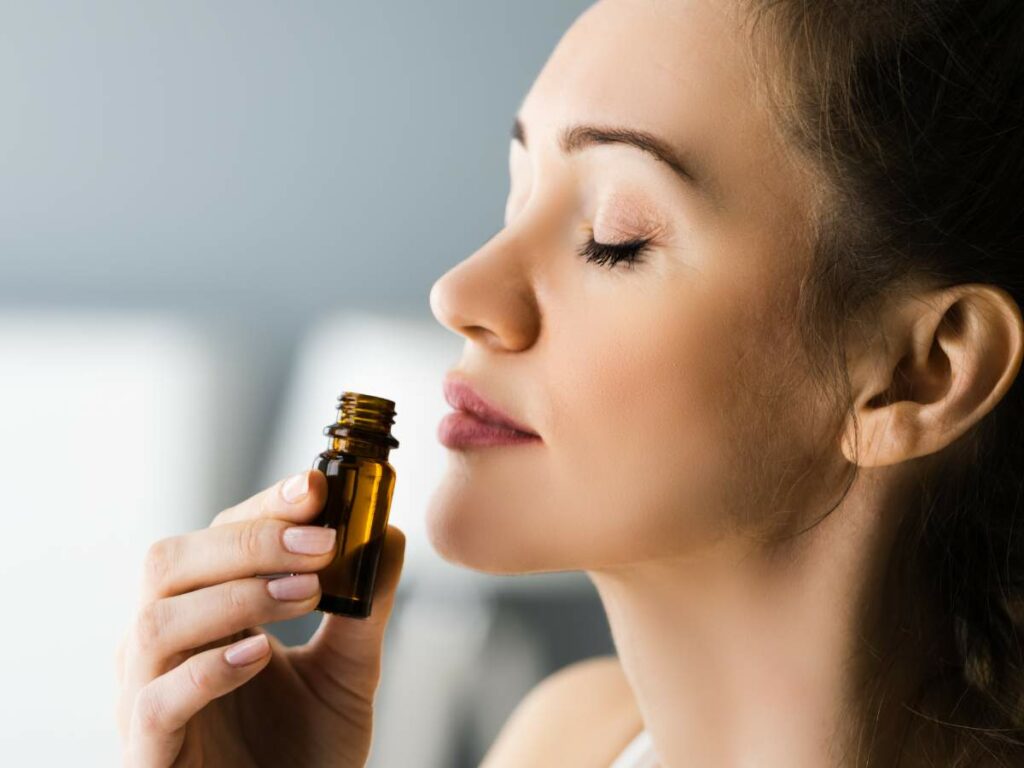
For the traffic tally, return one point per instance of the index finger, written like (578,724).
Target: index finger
(298,498)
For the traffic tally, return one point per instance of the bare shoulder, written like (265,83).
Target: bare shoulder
(581,715)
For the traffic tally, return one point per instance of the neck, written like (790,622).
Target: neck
(743,657)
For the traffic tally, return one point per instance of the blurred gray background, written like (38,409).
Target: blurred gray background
(256,163)
(201,206)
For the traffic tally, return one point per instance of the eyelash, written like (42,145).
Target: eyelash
(613,253)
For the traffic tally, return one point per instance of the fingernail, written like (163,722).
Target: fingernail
(309,539)
(297,587)
(247,651)
(295,487)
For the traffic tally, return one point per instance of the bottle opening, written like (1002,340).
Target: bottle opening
(362,420)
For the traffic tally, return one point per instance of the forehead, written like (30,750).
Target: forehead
(680,69)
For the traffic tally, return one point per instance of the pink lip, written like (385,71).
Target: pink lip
(477,423)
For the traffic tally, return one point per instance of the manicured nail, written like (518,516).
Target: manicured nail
(297,587)
(309,539)
(247,651)
(295,487)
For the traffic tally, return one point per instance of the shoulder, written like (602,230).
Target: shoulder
(554,722)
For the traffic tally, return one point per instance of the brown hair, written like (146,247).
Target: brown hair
(912,111)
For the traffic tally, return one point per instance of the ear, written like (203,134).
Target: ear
(938,363)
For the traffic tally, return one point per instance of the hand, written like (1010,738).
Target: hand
(200,684)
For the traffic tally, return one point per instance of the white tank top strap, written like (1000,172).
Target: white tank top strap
(639,753)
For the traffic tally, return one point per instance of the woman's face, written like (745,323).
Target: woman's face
(662,390)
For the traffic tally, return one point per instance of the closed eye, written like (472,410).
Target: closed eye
(612,254)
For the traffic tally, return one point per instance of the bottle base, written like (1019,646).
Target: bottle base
(344,606)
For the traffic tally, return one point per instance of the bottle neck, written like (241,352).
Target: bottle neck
(356,447)
(363,426)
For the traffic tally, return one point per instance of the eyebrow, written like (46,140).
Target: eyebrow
(577,137)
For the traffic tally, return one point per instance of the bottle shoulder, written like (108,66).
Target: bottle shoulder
(334,458)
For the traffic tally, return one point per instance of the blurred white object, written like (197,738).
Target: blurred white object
(421,697)
(106,446)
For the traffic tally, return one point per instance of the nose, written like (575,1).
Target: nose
(488,297)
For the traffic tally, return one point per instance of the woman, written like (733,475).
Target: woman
(755,309)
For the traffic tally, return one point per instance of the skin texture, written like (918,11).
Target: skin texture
(680,426)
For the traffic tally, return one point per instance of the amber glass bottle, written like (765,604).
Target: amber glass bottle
(360,482)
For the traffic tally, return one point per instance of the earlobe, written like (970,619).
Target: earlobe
(941,363)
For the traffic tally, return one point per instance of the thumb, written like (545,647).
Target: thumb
(346,651)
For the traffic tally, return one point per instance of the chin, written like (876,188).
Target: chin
(458,532)
(473,526)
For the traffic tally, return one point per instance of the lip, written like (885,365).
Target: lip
(476,422)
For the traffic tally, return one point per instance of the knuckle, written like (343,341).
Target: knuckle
(159,562)
(198,675)
(150,624)
(149,711)
(238,598)
(249,541)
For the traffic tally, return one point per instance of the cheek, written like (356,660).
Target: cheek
(644,438)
